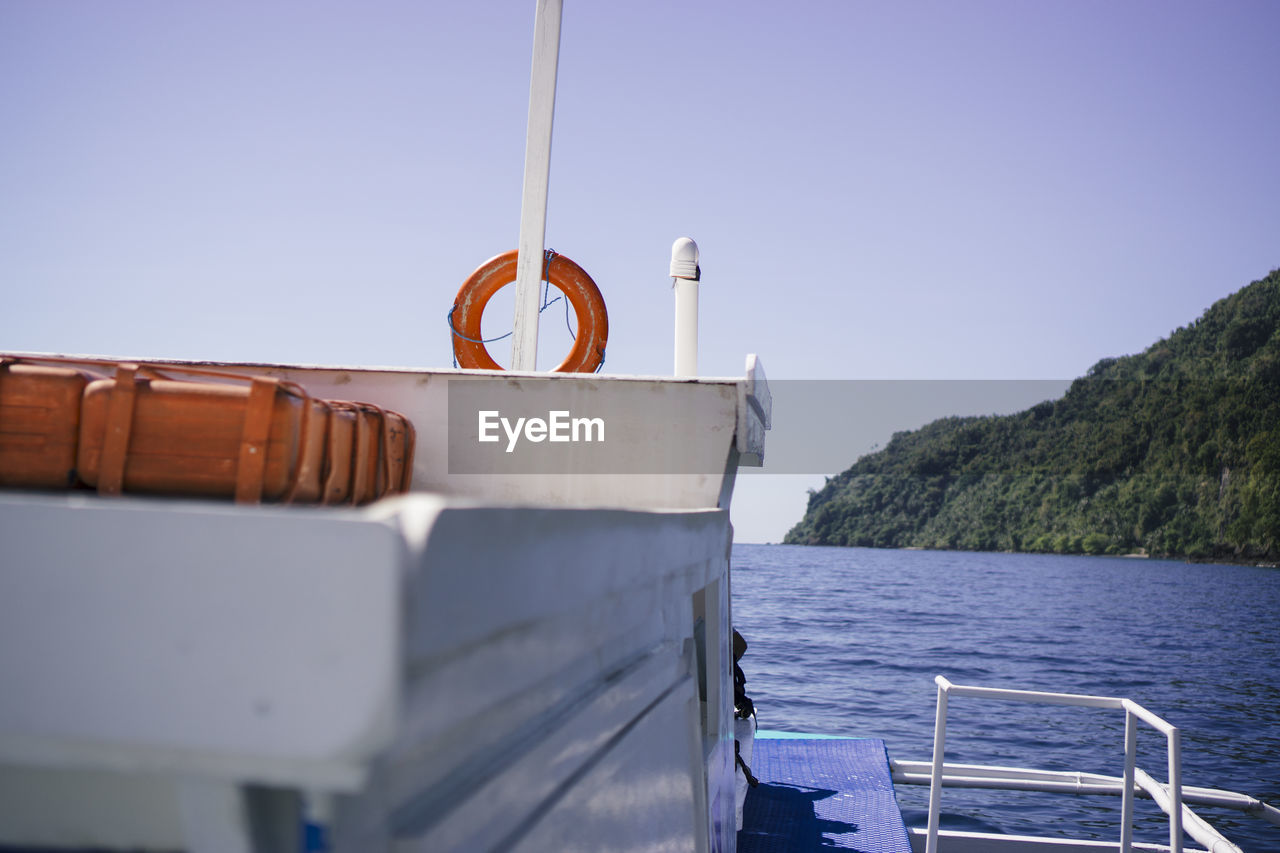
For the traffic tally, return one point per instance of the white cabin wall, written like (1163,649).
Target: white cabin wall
(544,648)
(640,789)
(644,472)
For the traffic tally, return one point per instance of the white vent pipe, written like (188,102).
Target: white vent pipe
(685,275)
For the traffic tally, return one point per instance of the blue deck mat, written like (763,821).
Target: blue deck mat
(821,794)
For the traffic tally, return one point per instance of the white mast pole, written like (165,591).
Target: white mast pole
(537,172)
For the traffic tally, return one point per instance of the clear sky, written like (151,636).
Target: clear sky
(889,190)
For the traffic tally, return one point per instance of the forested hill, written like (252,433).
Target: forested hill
(1171,452)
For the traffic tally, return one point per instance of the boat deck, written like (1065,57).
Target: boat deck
(821,794)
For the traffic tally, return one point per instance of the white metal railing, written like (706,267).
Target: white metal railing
(1064,782)
(1169,797)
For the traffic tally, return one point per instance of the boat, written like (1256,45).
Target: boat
(491,661)
(525,651)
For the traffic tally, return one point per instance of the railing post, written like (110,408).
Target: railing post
(1175,790)
(935,778)
(1127,796)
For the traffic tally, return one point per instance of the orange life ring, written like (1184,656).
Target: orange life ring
(593,322)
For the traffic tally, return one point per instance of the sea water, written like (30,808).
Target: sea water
(847,641)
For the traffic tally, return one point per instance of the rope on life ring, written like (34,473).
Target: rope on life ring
(593,322)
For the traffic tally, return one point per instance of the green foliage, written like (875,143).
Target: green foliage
(1174,451)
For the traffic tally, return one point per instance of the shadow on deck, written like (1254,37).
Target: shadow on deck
(821,794)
